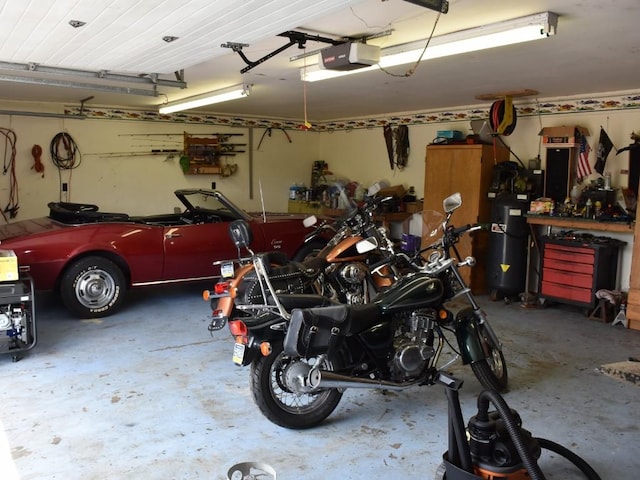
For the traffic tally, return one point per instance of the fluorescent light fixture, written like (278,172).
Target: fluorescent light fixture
(517,30)
(223,95)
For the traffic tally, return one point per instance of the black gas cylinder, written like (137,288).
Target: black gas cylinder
(507,258)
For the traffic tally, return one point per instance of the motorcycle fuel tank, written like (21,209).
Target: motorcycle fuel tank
(346,251)
(411,291)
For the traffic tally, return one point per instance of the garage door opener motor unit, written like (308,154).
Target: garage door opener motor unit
(349,56)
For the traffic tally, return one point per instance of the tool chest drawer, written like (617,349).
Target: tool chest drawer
(573,269)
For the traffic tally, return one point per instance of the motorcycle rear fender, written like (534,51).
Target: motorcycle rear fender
(256,336)
(468,337)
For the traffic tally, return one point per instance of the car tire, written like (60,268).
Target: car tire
(93,287)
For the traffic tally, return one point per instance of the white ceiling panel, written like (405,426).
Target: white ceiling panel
(595,49)
(126,35)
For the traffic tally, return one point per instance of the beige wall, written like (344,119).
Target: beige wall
(361,154)
(144,184)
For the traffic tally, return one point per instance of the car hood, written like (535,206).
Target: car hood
(27,227)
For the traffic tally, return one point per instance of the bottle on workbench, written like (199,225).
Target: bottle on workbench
(588,209)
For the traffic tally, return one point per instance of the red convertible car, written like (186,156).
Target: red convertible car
(92,258)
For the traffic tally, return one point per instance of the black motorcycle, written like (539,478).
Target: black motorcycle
(301,366)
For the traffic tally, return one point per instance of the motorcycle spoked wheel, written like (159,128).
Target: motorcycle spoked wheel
(492,370)
(281,405)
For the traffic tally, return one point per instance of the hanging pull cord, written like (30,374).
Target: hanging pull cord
(38,166)
(9,166)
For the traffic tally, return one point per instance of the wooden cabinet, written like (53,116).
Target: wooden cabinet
(466,169)
(633,301)
(573,271)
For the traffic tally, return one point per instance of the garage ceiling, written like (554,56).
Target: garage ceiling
(595,50)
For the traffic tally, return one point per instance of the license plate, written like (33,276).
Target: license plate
(226,270)
(238,353)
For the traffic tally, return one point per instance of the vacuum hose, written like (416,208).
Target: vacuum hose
(512,427)
(569,455)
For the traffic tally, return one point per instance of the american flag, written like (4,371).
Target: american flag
(584,167)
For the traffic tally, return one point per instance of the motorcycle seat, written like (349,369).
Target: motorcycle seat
(290,302)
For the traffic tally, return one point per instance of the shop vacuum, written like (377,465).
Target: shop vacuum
(494,446)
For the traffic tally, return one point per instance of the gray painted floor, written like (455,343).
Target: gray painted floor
(148,393)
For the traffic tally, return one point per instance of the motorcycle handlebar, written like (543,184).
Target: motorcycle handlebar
(456,232)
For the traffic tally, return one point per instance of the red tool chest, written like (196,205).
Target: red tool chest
(574,269)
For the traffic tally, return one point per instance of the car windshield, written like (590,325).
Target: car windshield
(210,201)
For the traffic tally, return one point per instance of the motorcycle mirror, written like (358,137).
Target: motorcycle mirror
(366,245)
(452,202)
(310,221)
(240,233)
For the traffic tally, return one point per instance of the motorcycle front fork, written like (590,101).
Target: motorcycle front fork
(479,313)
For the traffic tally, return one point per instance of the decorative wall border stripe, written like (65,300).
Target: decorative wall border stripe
(611,102)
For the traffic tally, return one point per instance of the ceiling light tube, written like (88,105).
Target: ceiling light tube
(218,96)
(508,32)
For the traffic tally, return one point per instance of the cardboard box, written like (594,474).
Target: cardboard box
(541,206)
(397,191)
(8,266)
(558,137)
(413,207)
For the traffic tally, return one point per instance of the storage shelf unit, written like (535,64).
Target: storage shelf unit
(573,270)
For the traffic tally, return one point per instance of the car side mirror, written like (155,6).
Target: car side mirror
(240,233)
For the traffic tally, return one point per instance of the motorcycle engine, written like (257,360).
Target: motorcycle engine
(354,273)
(352,277)
(413,343)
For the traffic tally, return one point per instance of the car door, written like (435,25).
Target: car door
(190,250)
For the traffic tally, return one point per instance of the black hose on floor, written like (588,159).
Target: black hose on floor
(569,455)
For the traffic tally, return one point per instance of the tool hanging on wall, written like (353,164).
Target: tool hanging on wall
(397,141)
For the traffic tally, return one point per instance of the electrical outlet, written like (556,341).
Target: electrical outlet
(213,185)
(65,187)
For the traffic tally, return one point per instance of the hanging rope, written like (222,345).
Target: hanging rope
(9,166)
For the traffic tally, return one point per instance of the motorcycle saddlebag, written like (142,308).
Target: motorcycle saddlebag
(311,329)
(287,279)
(314,331)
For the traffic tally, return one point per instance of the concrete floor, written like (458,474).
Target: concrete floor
(148,393)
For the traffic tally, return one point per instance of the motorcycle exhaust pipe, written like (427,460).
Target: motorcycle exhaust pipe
(326,379)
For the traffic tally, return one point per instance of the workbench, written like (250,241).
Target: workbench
(547,223)
(575,223)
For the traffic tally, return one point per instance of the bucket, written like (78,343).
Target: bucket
(251,471)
